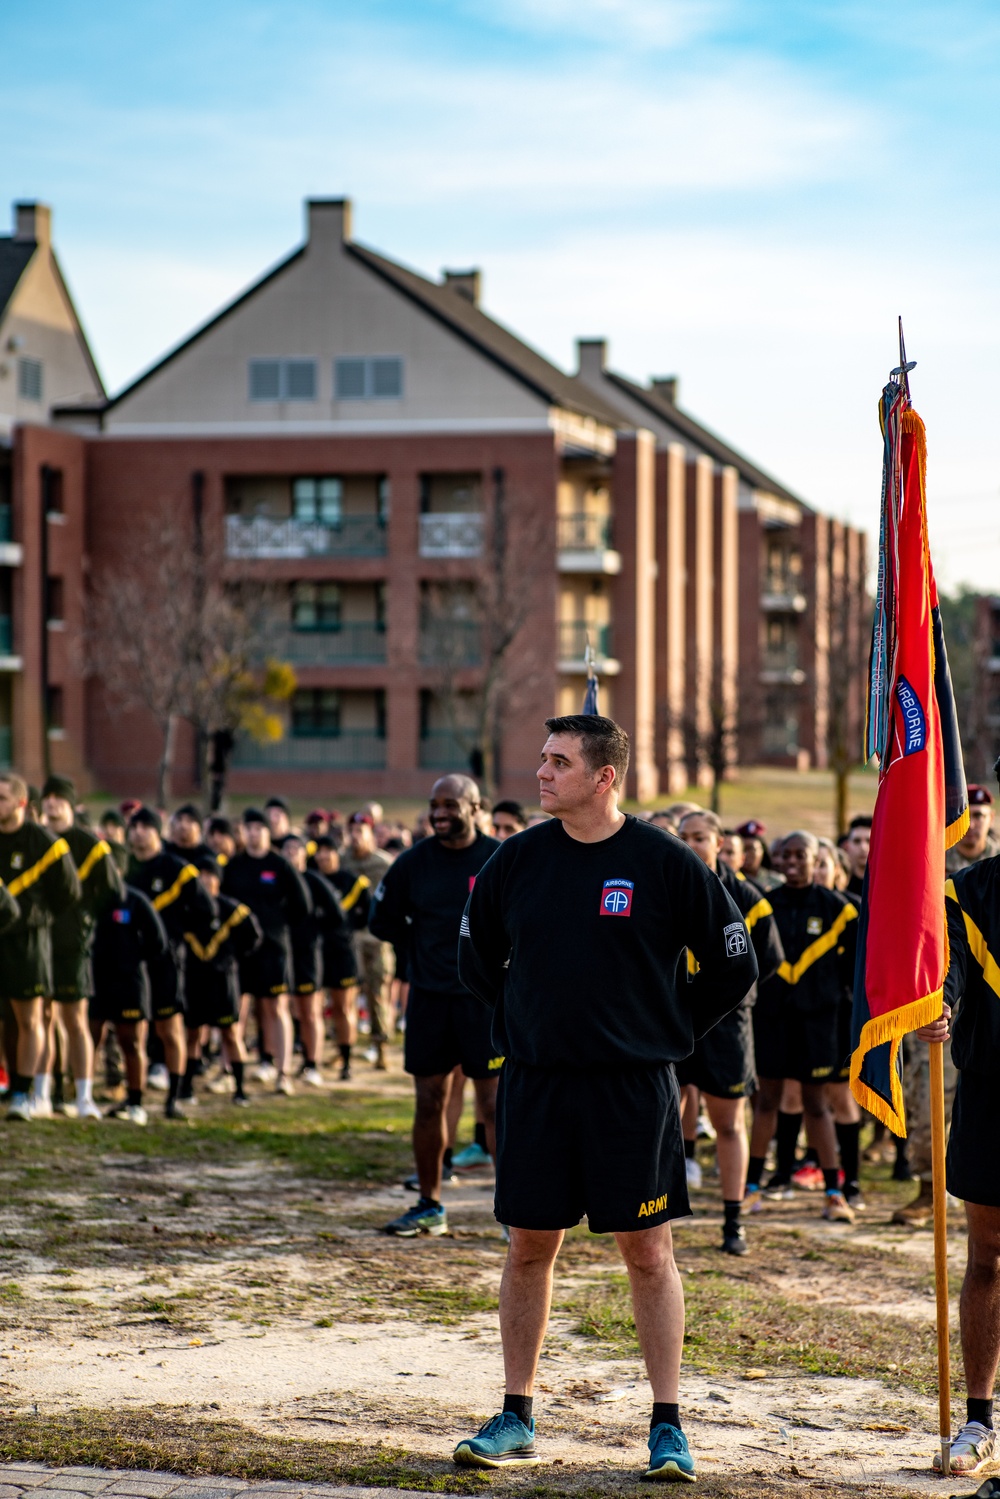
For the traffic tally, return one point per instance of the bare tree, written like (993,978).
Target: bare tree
(473,625)
(167,636)
(711,738)
(847,676)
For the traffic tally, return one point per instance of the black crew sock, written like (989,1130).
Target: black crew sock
(22,1084)
(981,1411)
(789,1128)
(296,1036)
(135,1098)
(731,1213)
(480,1136)
(520,1405)
(307,1061)
(755,1170)
(238,1077)
(448,1155)
(810,1158)
(849,1141)
(345,1052)
(176,1078)
(689,1146)
(266,1059)
(193,1069)
(664,1411)
(831,1179)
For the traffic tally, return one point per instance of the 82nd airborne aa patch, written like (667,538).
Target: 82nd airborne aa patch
(616,898)
(736,939)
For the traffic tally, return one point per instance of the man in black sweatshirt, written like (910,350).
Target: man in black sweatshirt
(419,904)
(575,934)
(279,898)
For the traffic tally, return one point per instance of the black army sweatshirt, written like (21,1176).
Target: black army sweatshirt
(595,936)
(419,903)
(275,892)
(972,985)
(819,933)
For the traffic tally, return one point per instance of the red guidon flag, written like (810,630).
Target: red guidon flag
(922,803)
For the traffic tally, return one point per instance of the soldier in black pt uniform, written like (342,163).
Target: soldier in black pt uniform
(722,1065)
(340,970)
(39,873)
(72,939)
(171,884)
(326,923)
(211,974)
(130,943)
(801,1020)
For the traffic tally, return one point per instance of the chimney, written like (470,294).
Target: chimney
(468,284)
(591,359)
(667,386)
(33,223)
(328,219)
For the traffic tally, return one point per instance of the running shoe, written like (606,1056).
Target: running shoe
(704,1130)
(64,1107)
(221,1084)
(88,1110)
(505,1441)
(471,1158)
(41,1108)
(753,1199)
(971,1450)
(20,1107)
(285,1086)
(158,1077)
(854,1197)
(734,1239)
(173,1110)
(265,1073)
(345,1072)
(312,1076)
(425,1217)
(779,1189)
(808,1178)
(693,1172)
(836,1209)
(669,1455)
(132,1113)
(241,1100)
(412,1183)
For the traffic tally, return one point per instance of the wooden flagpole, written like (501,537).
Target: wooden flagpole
(936,1049)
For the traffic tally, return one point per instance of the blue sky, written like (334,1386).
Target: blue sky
(741,192)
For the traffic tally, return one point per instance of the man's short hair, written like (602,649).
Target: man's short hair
(602,741)
(146,817)
(325,841)
(252,815)
(513,809)
(864,821)
(113,818)
(18,786)
(276,801)
(189,810)
(714,822)
(809,839)
(220,825)
(62,787)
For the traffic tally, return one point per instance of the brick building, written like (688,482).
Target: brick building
(379,452)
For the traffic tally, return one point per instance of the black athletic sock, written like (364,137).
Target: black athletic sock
(266,1059)
(520,1405)
(731,1213)
(135,1098)
(448,1156)
(981,1411)
(22,1084)
(664,1411)
(789,1127)
(238,1077)
(831,1179)
(296,1036)
(689,1146)
(345,1052)
(480,1136)
(810,1158)
(307,1061)
(176,1078)
(755,1170)
(193,1068)
(849,1141)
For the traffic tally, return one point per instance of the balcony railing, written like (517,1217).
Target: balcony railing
(783,591)
(440,749)
(451,642)
(573,635)
(780,658)
(6,524)
(6,635)
(267,536)
(458,534)
(355,643)
(353,749)
(585,531)
(780,738)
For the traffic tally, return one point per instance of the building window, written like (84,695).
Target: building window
(318,500)
(54,707)
(282,379)
(316,606)
(316,713)
(29,379)
(379,379)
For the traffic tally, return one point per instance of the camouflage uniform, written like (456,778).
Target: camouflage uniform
(917,1097)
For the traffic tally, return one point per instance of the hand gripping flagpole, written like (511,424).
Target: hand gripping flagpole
(936,1061)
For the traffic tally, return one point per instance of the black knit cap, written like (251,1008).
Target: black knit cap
(203,858)
(276,801)
(145,817)
(252,815)
(114,817)
(60,786)
(189,810)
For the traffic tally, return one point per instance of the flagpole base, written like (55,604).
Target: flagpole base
(945,1457)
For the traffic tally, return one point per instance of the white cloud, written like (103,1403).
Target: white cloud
(648,23)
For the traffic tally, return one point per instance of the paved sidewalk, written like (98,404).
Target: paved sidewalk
(22,1480)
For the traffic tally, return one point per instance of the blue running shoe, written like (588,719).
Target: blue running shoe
(669,1457)
(471,1157)
(425,1217)
(504,1442)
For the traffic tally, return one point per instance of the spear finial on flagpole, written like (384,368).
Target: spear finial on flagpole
(590,701)
(903,368)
